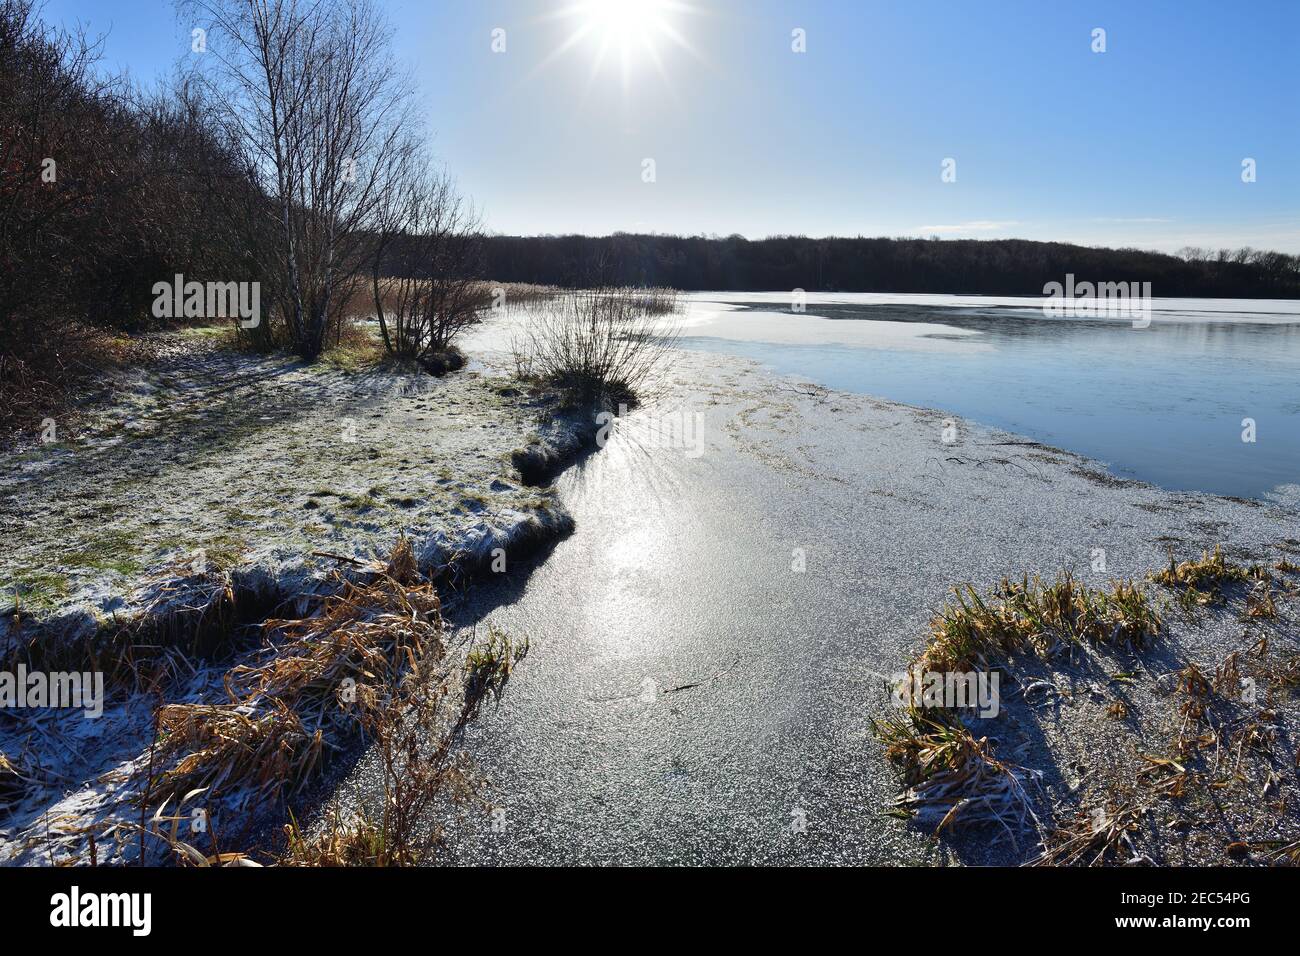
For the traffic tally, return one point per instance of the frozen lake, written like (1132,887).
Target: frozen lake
(1163,404)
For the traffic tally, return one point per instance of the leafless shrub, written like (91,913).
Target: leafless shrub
(600,346)
(426,263)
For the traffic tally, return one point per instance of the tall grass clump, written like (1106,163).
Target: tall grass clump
(600,347)
(1199,582)
(1037,616)
(517,295)
(422,768)
(949,775)
(322,678)
(655,301)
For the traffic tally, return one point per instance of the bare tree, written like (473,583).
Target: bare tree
(426,264)
(103,191)
(310,90)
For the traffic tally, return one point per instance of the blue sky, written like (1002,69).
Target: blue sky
(1140,145)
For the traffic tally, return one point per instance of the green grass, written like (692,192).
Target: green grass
(109,551)
(488,667)
(225,551)
(37,590)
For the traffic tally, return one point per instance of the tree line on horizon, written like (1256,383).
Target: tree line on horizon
(959,266)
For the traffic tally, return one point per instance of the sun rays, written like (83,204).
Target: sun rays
(625,35)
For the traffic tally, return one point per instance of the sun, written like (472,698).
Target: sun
(622,21)
(629,32)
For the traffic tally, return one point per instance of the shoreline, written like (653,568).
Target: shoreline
(573,739)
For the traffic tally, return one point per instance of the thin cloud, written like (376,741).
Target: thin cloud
(1137,219)
(975,225)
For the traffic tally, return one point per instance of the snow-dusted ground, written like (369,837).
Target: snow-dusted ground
(256,464)
(680,573)
(257,467)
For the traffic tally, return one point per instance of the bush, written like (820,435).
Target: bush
(601,347)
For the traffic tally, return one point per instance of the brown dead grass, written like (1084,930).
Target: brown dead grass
(1094,837)
(17,779)
(361,302)
(952,778)
(323,676)
(949,775)
(1031,615)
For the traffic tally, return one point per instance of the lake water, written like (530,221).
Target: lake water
(1163,404)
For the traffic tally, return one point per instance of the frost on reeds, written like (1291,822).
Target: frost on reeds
(1220,742)
(343,841)
(952,777)
(1222,738)
(322,677)
(186,612)
(1032,616)
(371,661)
(222,748)
(17,779)
(1094,837)
(420,769)
(599,347)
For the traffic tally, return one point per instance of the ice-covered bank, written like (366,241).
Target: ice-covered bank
(205,493)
